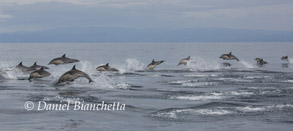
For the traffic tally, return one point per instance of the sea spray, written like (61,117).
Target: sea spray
(131,66)
(198,63)
(8,71)
(247,64)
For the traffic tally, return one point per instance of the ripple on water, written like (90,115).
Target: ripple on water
(217,111)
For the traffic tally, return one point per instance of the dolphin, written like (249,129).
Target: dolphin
(62,60)
(39,73)
(154,64)
(23,68)
(260,61)
(285,58)
(106,68)
(35,66)
(72,75)
(184,61)
(229,57)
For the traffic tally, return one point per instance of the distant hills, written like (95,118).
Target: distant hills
(91,34)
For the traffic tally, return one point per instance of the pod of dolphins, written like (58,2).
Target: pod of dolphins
(38,71)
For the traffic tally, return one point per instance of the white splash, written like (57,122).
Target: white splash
(213,111)
(131,66)
(246,64)
(290,60)
(198,63)
(62,99)
(198,98)
(9,72)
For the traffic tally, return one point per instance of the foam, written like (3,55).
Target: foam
(131,65)
(214,111)
(246,64)
(199,98)
(198,64)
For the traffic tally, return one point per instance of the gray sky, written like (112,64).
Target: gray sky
(18,16)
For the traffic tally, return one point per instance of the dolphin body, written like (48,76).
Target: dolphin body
(35,66)
(41,73)
(106,68)
(229,57)
(184,61)
(72,75)
(260,61)
(154,64)
(62,60)
(23,68)
(285,58)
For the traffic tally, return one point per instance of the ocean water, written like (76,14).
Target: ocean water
(203,95)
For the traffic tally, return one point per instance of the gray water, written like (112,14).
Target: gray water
(203,95)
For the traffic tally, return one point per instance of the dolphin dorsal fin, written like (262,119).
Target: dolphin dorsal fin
(20,64)
(230,53)
(107,64)
(64,56)
(153,61)
(188,57)
(35,63)
(73,68)
(42,68)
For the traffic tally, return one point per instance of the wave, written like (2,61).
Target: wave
(192,83)
(217,109)
(214,95)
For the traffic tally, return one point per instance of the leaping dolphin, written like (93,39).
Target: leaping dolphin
(184,61)
(72,75)
(154,64)
(285,58)
(229,57)
(260,61)
(35,66)
(41,73)
(23,68)
(62,60)
(106,68)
